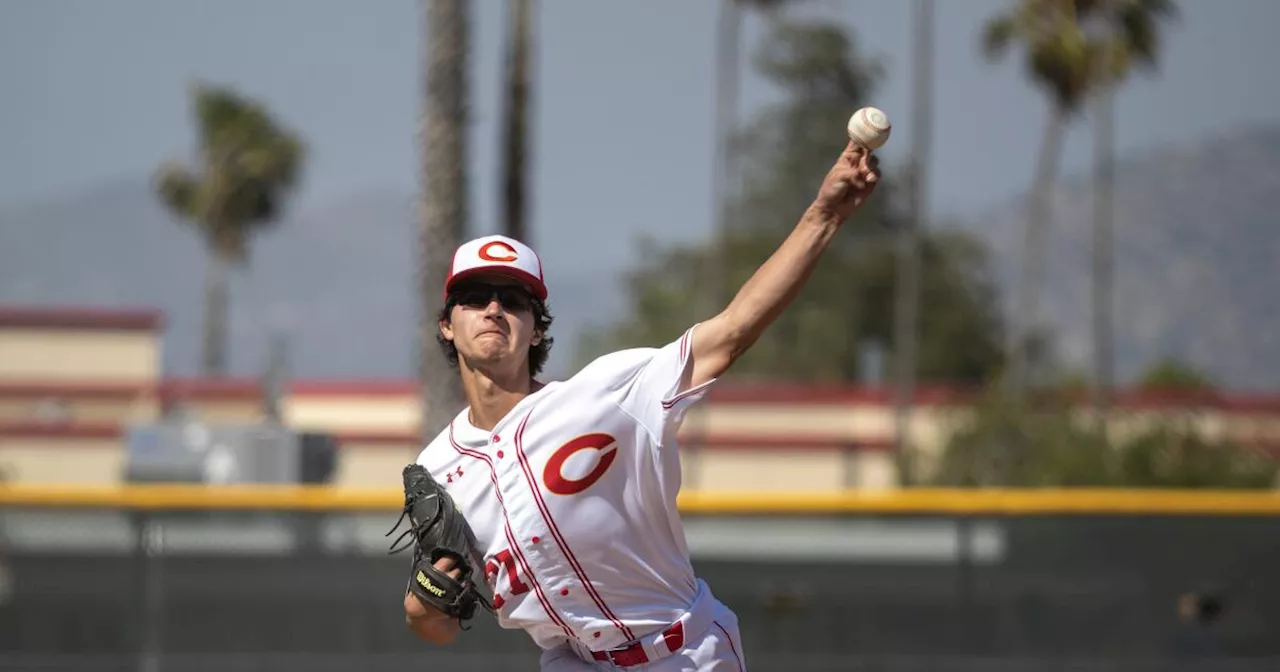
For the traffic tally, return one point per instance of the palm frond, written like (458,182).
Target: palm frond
(997,36)
(1137,31)
(1061,63)
(178,189)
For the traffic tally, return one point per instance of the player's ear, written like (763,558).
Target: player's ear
(446,329)
(537,337)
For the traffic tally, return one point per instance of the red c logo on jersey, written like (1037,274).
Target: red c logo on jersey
(553,473)
(506,253)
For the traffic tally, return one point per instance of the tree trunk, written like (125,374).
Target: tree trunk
(516,136)
(443,201)
(1034,253)
(714,276)
(1103,237)
(906,300)
(213,357)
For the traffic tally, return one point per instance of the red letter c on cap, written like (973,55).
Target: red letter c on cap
(506,253)
(553,474)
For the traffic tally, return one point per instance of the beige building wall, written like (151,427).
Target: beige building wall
(52,407)
(61,460)
(382,413)
(756,470)
(232,411)
(90,451)
(77,356)
(72,380)
(373,464)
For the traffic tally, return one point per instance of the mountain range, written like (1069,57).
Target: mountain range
(1197,259)
(1198,269)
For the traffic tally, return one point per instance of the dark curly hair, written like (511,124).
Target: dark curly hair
(538,354)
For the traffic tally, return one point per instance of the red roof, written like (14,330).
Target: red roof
(81,317)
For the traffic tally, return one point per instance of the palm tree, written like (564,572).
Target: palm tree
(906,328)
(1058,60)
(516,123)
(442,205)
(247,166)
(1124,33)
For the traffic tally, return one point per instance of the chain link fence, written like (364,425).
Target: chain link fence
(270,590)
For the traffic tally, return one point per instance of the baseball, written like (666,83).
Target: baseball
(869,127)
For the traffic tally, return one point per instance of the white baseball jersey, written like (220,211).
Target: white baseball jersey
(572,497)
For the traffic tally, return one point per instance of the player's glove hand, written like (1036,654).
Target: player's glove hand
(438,530)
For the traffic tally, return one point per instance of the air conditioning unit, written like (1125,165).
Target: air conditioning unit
(190,451)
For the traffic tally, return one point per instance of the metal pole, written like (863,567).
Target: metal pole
(906,323)
(149,552)
(723,174)
(965,573)
(1103,252)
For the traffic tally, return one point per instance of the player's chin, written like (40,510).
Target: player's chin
(489,351)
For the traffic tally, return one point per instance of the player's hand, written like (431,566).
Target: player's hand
(445,564)
(429,623)
(417,609)
(849,183)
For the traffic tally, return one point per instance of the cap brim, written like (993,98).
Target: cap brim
(532,283)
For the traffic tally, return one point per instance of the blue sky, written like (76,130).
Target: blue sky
(95,91)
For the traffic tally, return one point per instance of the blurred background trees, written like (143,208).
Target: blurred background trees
(1050,441)
(1125,34)
(848,303)
(1077,51)
(247,165)
(1073,50)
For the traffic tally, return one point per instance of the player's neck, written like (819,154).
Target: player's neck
(491,398)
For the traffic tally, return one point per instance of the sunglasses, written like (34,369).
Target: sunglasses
(511,297)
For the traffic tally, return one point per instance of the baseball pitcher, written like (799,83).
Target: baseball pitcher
(553,505)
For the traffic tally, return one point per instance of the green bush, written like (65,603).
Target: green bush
(1046,447)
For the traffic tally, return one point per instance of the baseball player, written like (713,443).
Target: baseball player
(570,487)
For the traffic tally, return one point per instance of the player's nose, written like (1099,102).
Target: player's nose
(494,307)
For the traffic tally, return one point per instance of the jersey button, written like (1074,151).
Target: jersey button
(564,591)
(536,539)
(496,438)
(499,454)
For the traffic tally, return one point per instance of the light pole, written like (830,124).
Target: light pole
(907,297)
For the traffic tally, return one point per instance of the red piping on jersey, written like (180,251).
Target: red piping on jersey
(515,547)
(729,639)
(684,357)
(555,531)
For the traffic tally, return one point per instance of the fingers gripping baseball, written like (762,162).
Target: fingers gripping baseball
(853,178)
(850,182)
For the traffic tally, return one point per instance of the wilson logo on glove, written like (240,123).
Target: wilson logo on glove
(426,583)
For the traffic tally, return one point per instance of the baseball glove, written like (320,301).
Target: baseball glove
(438,529)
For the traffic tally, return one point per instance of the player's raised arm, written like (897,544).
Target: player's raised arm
(718,342)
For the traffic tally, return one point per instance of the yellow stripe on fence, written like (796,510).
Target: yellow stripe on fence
(168,497)
(992,502)
(924,501)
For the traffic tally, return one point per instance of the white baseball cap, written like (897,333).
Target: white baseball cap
(498,255)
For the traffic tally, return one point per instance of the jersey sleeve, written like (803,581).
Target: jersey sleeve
(653,396)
